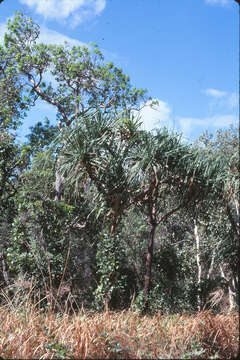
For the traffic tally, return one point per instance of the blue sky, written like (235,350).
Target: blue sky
(184,52)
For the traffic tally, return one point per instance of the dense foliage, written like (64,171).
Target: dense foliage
(95,211)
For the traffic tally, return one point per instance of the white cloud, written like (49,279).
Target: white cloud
(215,93)
(48,36)
(219,2)
(188,125)
(155,116)
(221,100)
(77,11)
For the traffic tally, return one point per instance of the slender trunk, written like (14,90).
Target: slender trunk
(198,258)
(115,215)
(234,223)
(113,227)
(236,202)
(4,268)
(210,270)
(233,281)
(58,184)
(232,294)
(148,273)
(232,289)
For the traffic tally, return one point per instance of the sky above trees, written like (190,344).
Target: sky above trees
(184,52)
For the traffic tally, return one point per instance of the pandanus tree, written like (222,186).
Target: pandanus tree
(172,177)
(225,145)
(231,201)
(159,181)
(100,149)
(130,167)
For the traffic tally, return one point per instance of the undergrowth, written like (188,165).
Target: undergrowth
(27,331)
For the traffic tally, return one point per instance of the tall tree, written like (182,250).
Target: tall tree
(13,102)
(225,144)
(80,80)
(83,81)
(133,167)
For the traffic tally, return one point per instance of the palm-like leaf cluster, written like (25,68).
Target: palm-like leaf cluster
(123,161)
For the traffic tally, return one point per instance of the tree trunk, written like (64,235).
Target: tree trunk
(199,265)
(210,270)
(234,222)
(236,202)
(4,268)
(58,184)
(148,273)
(232,294)
(232,289)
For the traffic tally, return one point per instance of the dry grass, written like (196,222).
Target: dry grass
(27,332)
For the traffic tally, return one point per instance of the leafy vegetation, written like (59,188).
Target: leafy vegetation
(96,214)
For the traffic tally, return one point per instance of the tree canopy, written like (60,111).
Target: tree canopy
(96,203)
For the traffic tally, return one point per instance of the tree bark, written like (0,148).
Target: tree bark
(148,273)
(58,184)
(4,268)
(210,270)
(198,258)
(232,289)
(234,222)
(236,202)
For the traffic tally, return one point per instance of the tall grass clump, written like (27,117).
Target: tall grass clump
(29,331)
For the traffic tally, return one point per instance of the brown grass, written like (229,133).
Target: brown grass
(27,332)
